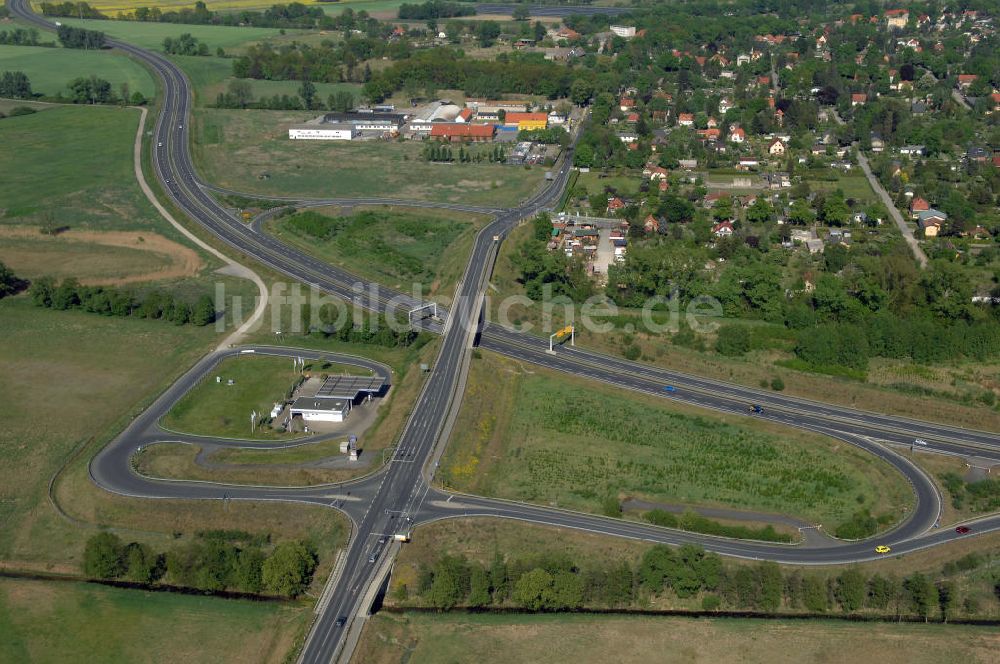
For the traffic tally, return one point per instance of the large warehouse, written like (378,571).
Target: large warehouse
(335,131)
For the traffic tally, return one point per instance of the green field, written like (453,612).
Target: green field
(210,76)
(47,621)
(251,152)
(293,466)
(151,35)
(72,166)
(393,247)
(219,409)
(539,437)
(50,69)
(581,639)
(96,369)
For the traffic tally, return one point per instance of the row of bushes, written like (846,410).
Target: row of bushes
(214,561)
(544,582)
(980,496)
(698,524)
(155,304)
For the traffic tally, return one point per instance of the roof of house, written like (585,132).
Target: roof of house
(465,113)
(930,214)
(722,225)
(449,129)
(526,117)
(918,204)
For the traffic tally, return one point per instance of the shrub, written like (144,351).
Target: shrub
(777,384)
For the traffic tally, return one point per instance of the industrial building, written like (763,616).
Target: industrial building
(382,122)
(335,131)
(457,131)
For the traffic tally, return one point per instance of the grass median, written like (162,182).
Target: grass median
(551,439)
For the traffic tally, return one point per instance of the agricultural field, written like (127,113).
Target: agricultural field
(98,258)
(543,438)
(402,249)
(51,69)
(433,638)
(251,152)
(151,35)
(223,410)
(48,621)
(211,75)
(71,167)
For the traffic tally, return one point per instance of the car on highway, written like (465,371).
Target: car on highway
(963,530)
(755,409)
(669,388)
(372,558)
(920,441)
(882,548)
(339,622)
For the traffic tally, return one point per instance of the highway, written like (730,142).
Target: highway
(400,495)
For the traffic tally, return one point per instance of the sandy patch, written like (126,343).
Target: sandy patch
(181,261)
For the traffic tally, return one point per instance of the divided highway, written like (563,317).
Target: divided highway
(399,494)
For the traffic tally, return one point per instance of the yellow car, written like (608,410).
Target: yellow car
(882,548)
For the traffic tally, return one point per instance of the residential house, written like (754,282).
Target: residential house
(878,145)
(776,148)
(965,80)
(615,204)
(918,205)
(912,150)
(858,98)
(723,229)
(685,119)
(737,135)
(725,105)
(931,222)
(628,137)
(626,104)
(896,18)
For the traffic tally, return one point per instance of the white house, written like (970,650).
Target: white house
(626,31)
(323,132)
(321,409)
(776,147)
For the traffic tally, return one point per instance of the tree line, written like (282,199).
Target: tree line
(22,37)
(70,10)
(185,45)
(446,68)
(71,37)
(555,582)
(10,283)
(155,304)
(214,561)
(444,153)
(434,9)
(15,85)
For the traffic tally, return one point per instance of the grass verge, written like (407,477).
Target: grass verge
(551,439)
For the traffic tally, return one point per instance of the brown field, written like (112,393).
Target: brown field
(97,258)
(581,639)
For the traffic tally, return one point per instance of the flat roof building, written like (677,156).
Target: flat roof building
(367,121)
(321,409)
(334,131)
